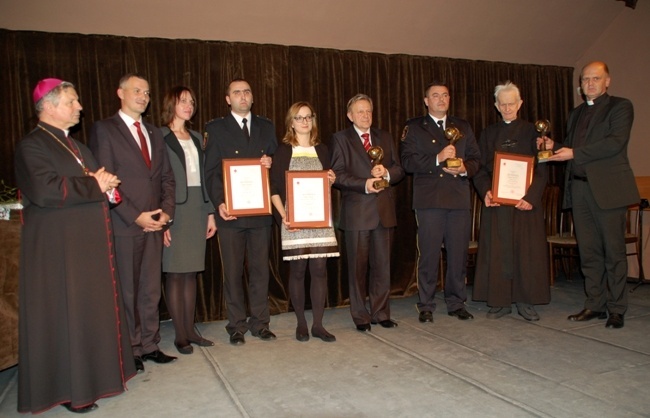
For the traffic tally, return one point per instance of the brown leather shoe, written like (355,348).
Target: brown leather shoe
(587,315)
(615,321)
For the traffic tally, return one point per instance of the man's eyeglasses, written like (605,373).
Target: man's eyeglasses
(301,119)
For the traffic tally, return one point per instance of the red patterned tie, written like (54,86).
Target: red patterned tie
(143,145)
(366,141)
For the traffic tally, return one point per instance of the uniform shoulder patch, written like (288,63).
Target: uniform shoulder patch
(404,133)
(204,144)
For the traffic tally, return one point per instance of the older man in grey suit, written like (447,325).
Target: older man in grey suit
(367,213)
(599,185)
(136,152)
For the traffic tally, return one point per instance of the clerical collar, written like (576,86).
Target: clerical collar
(596,100)
(66,132)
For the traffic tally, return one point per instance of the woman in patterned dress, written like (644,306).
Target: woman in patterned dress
(301,149)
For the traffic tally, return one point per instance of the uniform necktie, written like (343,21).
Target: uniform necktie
(366,141)
(441,123)
(143,145)
(244,128)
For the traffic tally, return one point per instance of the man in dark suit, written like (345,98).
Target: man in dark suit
(367,213)
(241,134)
(135,151)
(599,185)
(441,199)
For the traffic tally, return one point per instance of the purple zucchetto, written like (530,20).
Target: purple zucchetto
(45,86)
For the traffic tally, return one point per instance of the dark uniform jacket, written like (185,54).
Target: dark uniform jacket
(422,140)
(225,139)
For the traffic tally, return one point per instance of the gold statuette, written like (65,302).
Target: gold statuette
(454,135)
(543,126)
(376,155)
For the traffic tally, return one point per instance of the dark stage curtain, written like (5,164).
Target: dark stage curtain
(279,76)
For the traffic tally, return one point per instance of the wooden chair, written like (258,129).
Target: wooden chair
(633,232)
(560,236)
(476,207)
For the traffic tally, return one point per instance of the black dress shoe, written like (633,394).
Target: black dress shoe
(81,409)
(586,315)
(237,338)
(615,321)
(388,323)
(158,357)
(184,347)
(139,365)
(302,334)
(265,334)
(202,342)
(461,313)
(527,311)
(323,335)
(425,316)
(496,312)
(363,327)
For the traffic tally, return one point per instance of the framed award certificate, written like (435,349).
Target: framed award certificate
(309,200)
(246,187)
(513,175)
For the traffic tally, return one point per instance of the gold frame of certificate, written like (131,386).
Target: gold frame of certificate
(512,176)
(246,187)
(309,199)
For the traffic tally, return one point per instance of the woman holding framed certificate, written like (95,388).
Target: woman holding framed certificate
(301,150)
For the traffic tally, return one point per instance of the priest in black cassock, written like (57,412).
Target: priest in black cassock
(511,266)
(74,346)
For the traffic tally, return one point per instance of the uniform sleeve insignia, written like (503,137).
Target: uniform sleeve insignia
(404,133)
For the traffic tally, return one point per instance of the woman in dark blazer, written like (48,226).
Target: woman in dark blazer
(184,250)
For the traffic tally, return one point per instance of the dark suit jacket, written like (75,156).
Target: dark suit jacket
(226,140)
(281,161)
(179,165)
(421,141)
(604,155)
(352,165)
(142,189)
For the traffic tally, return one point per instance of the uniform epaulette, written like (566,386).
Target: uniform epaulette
(215,119)
(264,118)
(413,120)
